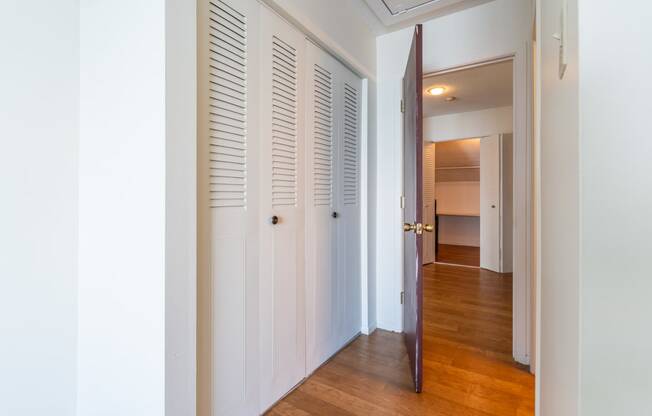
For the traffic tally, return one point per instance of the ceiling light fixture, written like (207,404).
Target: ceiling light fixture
(436,90)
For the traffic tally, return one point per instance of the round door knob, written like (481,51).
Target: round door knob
(274,220)
(335,215)
(493,206)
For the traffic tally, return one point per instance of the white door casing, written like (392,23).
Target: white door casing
(490,227)
(282,290)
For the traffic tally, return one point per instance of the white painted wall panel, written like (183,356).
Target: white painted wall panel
(122,205)
(614,205)
(558,374)
(459,231)
(39,145)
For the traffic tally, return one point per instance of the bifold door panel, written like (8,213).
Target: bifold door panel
(228,261)
(281,274)
(333,211)
(322,307)
(348,173)
(279,207)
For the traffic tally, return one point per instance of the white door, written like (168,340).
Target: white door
(348,190)
(227,208)
(429,201)
(321,215)
(490,203)
(281,221)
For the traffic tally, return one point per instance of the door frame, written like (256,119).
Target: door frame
(522,127)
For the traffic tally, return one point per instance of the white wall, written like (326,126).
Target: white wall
(122,209)
(470,124)
(557,375)
(459,197)
(614,205)
(490,30)
(459,231)
(39,132)
(136,208)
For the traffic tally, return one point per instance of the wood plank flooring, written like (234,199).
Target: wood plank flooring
(468,370)
(463,255)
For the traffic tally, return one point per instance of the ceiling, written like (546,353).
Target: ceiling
(395,14)
(475,89)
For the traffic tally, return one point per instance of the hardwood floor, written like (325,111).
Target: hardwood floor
(468,370)
(463,255)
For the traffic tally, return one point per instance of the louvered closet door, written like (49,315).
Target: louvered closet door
(348,189)
(282,290)
(228,209)
(322,306)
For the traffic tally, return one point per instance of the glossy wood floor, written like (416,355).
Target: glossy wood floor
(468,368)
(463,255)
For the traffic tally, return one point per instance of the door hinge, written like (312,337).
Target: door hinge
(402,106)
(402,297)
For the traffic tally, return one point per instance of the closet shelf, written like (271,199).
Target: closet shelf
(457,167)
(458,214)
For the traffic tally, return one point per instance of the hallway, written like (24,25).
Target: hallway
(467,359)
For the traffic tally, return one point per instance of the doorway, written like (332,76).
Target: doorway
(468,285)
(468,160)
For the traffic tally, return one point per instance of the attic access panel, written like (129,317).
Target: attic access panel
(396,7)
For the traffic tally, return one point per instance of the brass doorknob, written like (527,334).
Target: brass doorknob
(418,228)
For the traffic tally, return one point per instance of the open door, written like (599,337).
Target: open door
(413,225)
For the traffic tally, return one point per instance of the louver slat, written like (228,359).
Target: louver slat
(284,124)
(351,157)
(227,106)
(323,137)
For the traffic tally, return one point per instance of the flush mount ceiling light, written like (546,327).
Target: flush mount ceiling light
(436,90)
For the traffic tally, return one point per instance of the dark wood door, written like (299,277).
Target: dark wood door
(413,207)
